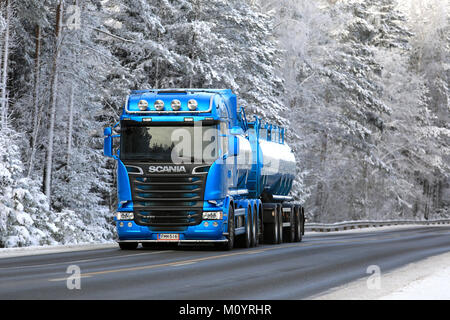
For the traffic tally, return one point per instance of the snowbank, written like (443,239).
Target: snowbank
(423,280)
(435,286)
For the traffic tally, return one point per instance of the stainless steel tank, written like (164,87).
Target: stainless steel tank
(278,167)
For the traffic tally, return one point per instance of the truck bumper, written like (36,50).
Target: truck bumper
(129,231)
(177,241)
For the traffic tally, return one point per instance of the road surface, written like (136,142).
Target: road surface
(288,271)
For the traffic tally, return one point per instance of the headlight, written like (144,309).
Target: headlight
(212,215)
(176,105)
(159,105)
(125,216)
(142,105)
(192,104)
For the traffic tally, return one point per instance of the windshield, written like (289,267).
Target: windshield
(169,143)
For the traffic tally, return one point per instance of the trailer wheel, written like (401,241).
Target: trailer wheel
(255,228)
(298,224)
(303,221)
(272,229)
(280,224)
(260,225)
(289,233)
(128,245)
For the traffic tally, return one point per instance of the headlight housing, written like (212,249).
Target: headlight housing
(212,215)
(125,215)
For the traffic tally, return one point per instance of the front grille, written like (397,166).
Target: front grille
(167,199)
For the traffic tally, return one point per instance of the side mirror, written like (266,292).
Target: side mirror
(107,143)
(233,147)
(107,131)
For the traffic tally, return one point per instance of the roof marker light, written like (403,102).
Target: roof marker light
(192,104)
(176,104)
(142,105)
(159,105)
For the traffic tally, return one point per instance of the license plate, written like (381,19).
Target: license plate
(168,236)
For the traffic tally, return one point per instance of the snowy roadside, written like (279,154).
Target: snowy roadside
(36,250)
(363,230)
(433,287)
(427,279)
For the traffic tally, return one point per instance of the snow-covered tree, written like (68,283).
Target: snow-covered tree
(430,23)
(361,87)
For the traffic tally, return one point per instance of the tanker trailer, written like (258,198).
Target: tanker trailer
(192,170)
(271,180)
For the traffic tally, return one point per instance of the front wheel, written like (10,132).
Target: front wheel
(230,237)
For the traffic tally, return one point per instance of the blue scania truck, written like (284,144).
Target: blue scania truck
(191,169)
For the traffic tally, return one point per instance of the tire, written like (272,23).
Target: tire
(272,229)
(289,234)
(255,228)
(298,224)
(128,245)
(230,237)
(303,221)
(260,226)
(280,224)
(245,240)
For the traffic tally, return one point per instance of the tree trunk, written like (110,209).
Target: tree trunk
(197,9)
(365,190)
(53,95)
(37,110)
(70,129)
(157,74)
(5,66)
(157,66)
(426,195)
(320,190)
